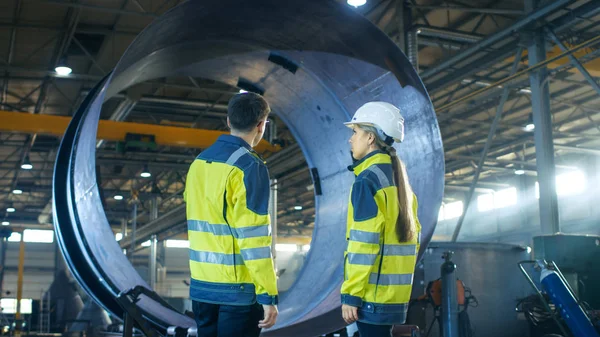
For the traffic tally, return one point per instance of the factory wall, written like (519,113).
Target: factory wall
(579,213)
(40,265)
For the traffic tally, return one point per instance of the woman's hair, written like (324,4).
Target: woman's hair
(405,224)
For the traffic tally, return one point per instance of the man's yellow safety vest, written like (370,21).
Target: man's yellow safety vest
(227,196)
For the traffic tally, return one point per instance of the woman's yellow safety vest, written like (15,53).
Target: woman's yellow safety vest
(378,269)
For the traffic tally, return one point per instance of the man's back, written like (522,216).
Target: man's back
(227,194)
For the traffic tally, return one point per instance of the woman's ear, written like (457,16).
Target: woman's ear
(371,139)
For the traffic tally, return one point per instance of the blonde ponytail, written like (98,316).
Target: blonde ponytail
(405,224)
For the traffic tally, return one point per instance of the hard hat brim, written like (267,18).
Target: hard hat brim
(350,124)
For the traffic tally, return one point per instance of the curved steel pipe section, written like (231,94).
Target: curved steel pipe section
(317,62)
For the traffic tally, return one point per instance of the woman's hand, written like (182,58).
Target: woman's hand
(349,313)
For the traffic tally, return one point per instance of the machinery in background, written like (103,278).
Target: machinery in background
(565,304)
(577,256)
(450,300)
(567,299)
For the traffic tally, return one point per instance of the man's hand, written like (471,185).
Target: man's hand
(349,313)
(270,317)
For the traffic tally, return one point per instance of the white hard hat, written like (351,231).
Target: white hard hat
(384,116)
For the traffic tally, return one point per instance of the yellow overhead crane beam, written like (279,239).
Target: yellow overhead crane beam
(592,66)
(116,131)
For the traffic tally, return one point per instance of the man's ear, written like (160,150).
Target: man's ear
(228,123)
(261,126)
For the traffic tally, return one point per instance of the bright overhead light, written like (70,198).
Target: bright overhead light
(525,91)
(26,164)
(242,91)
(529,127)
(298,208)
(118,197)
(357,3)
(146,172)
(11,210)
(63,70)
(17,191)
(519,172)
(5,223)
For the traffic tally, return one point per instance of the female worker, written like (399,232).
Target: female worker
(383,230)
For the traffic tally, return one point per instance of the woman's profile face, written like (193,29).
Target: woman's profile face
(360,143)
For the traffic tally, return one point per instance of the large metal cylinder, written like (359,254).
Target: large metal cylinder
(317,62)
(491,273)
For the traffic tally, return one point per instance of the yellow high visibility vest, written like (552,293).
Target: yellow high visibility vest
(227,198)
(378,269)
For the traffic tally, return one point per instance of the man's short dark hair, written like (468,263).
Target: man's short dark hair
(246,110)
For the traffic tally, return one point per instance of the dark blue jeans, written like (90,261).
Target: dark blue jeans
(372,330)
(217,320)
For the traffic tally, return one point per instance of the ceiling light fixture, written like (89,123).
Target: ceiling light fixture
(62,68)
(26,164)
(357,3)
(529,127)
(145,172)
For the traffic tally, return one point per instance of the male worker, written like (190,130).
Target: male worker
(227,196)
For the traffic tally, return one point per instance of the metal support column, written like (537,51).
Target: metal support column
(401,24)
(152,266)
(542,119)
(486,148)
(574,61)
(4,246)
(124,227)
(21,269)
(124,231)
(133,229)
(273,213)
(153,246)
(407,36)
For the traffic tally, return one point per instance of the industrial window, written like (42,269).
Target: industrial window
(178,244)
(570,183)
(33,235)
(14,237)
(118,236)
(452,210)
(9,305)
(485,202)
(286,247)
(146,244)
(505,198)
